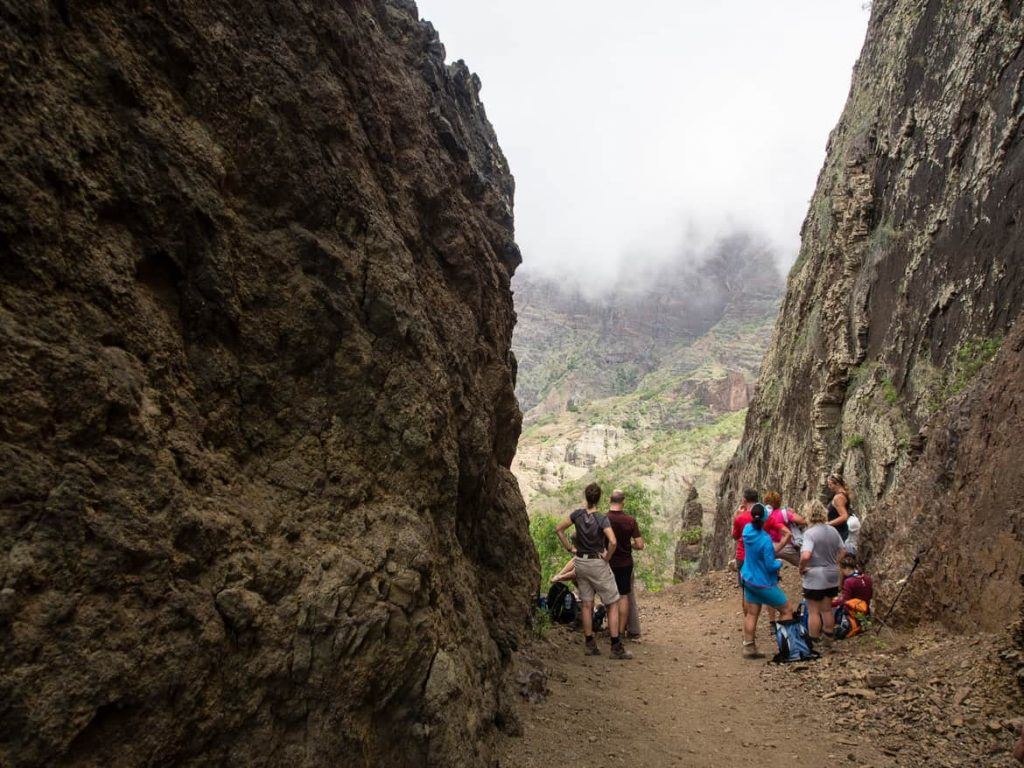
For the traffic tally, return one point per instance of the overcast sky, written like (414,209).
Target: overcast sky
(635,130)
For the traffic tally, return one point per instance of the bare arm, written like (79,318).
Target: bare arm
(638,543)
(805,558)
(781,543)
(560,530)
(610,535)
(798,519)
(839,502)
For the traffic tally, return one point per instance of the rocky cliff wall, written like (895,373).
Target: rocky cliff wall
(909,280)
(258,407)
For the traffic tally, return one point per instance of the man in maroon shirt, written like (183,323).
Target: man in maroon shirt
(627,534)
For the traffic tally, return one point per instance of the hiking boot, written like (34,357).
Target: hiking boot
(591,648)
(750,651)
(619,652)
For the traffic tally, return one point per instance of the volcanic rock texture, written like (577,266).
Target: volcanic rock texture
(895,360)
(258,410)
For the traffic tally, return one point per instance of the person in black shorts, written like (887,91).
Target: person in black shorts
(820,552)
(627,534)
(594,547)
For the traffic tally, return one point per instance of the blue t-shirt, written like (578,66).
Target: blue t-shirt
(760,566)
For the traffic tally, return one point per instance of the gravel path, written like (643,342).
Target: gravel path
(688,698)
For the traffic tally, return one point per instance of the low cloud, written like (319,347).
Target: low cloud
(636,132)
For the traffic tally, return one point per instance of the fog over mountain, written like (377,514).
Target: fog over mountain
(645,135)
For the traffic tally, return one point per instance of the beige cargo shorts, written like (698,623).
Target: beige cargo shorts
(595,576)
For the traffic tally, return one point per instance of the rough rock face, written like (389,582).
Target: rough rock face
(731,393)
(574,346)
(688,547)
(909,279)
(255,506)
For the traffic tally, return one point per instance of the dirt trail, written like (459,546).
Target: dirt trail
(923,698)
(686,699)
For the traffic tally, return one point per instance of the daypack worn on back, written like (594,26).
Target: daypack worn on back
(792,641)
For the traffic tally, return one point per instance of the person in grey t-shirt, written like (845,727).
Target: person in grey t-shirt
(819,566)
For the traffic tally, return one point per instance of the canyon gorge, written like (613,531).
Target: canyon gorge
(279,403)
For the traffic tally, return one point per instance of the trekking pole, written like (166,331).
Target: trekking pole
(917,562)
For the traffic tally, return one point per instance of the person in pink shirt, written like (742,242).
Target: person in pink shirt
(742,519)
(777,527)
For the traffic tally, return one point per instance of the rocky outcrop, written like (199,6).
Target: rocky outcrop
(687,554)
(909,279)
(258,397)
(724,395)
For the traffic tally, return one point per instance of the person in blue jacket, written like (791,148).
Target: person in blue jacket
(760,575)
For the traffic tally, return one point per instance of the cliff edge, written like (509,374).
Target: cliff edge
(258,395)
(894,356)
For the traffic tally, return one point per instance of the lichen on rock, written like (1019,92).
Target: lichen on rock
(909,278)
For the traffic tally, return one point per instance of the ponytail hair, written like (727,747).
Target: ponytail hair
(843,489)
(757,515)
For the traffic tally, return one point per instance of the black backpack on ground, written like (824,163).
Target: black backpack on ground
(563,607)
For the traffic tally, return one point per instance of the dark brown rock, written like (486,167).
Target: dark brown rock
(255,506)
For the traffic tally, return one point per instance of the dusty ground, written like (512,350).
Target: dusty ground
(689,699)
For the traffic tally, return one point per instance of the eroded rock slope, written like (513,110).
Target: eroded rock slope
(909,283)
(258,409)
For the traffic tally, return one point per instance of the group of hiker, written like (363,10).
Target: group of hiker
(821,542)
(602,565)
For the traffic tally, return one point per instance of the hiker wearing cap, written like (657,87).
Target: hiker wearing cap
(595,545)
(760,578)
(779,525)
(819,567)
(627,538)
(739,523)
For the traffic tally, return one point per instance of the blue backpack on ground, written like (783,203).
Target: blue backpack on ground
(791,638)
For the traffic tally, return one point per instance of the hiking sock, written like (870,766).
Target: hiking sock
(616,641)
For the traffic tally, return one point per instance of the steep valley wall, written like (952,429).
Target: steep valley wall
(258,409)
(896,357)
